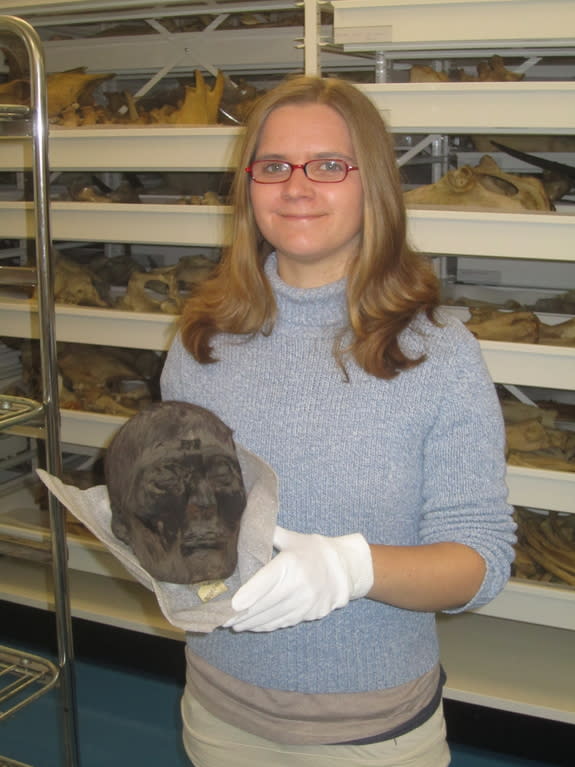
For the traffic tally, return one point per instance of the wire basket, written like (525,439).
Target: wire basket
(23,678)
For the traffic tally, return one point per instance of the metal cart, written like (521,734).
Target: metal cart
(24,677)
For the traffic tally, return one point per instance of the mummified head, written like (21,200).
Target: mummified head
(176,492)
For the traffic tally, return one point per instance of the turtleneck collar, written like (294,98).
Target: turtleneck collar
(310,307)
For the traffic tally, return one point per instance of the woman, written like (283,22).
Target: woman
(319,343)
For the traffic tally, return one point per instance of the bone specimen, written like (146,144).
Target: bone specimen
(94,190)
(72,103)
(200,103)
(527,142)
(209,198)
(176,492)
(484,186)
(66,90)
(557,178)
(423,73)
(563,303)
(199,106)
(533,438)
(540,460)
(75,283)
(515,411)
(193,269)
(153,291)
(15,92)
(72,87)
(520,327)
(526,435)
(105,380)
(115,270)
(492,70)
(562,334)
(545,548)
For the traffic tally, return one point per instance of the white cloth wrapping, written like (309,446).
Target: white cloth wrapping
(180,603)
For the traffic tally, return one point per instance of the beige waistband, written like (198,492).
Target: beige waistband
(291,717)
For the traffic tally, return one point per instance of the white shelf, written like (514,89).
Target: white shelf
(511,363)
(542,604)
(540,236)
(153,224)
(541,488)
(53,6)
(510,665)
(75,324)
(476,107)
(21,519)
(530,364)
(430,24)
(79,428)
(268,49)
(134,148)
(112,601)
(89,429)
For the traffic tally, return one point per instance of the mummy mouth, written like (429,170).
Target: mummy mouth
(190,547)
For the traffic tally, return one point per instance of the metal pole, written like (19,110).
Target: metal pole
(47,320)
(311,37)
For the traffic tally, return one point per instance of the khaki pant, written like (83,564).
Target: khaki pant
(209,742)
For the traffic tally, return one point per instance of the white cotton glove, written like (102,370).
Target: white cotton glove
(311,576)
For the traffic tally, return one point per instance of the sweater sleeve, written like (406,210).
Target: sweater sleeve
(172,378)
(465,494)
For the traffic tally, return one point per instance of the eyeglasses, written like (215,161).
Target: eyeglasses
(330,170)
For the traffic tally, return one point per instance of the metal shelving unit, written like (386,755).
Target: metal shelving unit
(28,676)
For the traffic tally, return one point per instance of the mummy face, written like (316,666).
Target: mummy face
(176,492)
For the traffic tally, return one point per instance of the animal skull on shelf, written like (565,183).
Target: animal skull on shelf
(73,87)
(199,105)
(190,270)
(76,283)
(153,291)
(484,186)
(105,380)
(65,90)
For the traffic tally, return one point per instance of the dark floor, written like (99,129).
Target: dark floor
(128,690)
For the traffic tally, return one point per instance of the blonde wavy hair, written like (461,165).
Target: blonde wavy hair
(388,283)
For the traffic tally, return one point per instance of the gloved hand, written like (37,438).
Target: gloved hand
(311,576)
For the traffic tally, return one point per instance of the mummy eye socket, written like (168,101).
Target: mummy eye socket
(165,478)
(221,472)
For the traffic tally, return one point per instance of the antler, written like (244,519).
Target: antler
(539,162)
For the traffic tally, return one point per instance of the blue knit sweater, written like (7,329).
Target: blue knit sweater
(417,459)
